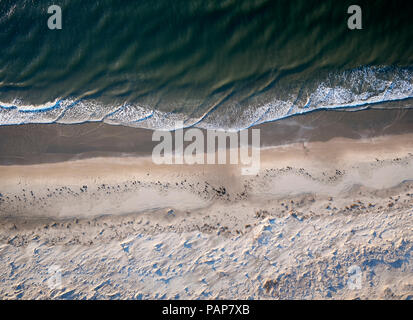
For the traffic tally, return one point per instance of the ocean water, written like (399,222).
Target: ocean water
(212,64)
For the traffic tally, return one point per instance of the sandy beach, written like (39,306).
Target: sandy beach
(122,227)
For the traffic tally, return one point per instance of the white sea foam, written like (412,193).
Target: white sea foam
(352,90)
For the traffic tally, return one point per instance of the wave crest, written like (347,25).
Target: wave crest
(350,90)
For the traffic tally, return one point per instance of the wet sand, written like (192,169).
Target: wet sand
(50,143)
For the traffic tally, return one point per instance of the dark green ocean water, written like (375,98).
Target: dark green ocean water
(221,64)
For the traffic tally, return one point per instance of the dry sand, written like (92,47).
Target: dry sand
(124,228)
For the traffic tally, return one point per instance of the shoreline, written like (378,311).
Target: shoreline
(51,143)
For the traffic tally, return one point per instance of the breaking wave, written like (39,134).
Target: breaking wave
(350,90)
